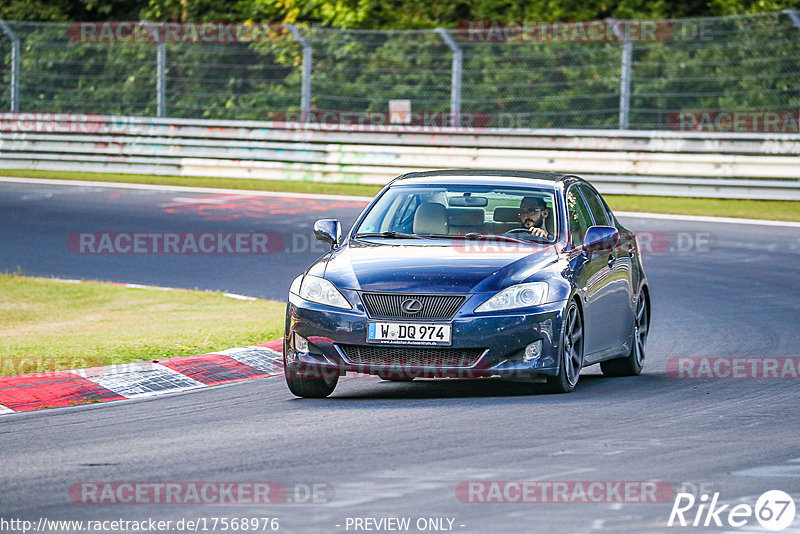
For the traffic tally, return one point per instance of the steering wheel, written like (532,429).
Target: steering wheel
(527,232)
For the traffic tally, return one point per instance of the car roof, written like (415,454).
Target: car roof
(473,176)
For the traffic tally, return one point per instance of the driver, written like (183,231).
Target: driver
(532,213)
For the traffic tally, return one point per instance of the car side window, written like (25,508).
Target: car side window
(595,206)
(579,218)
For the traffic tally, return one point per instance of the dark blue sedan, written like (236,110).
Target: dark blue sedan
(464,274)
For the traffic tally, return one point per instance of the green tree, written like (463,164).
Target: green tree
(71,10)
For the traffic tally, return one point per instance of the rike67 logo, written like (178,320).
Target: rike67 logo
(774,510)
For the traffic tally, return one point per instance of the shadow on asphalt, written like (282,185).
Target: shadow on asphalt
(589,387)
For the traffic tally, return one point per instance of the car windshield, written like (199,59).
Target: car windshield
(462,212)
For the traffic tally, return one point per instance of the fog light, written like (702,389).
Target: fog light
(533,351)
(300,343)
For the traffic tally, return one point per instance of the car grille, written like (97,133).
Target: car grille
(411,356)
(389,305)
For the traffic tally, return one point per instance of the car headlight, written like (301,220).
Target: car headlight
(518,296)
(295,287)
(321,291)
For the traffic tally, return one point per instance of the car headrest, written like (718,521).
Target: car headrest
(430,218)
(506,214)
(465,216)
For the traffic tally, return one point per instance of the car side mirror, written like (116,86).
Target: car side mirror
(329,231)
(600,239)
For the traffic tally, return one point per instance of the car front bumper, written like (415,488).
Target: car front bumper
(497,341)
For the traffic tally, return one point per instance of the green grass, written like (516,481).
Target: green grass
(777,210)
(783,210)
(46,325)
(289,186)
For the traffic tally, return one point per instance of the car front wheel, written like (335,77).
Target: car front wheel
(571,352)
(312,384)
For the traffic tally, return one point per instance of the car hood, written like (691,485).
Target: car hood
(457,267)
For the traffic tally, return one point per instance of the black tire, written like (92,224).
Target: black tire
(570,352)
(631,365)
(315,385)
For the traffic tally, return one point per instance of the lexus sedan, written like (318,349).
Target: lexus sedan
(526,276)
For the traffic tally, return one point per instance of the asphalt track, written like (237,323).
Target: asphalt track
(36,224)
(401,450)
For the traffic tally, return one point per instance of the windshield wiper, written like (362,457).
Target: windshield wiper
(393,235)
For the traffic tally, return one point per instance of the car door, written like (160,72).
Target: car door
(615,320)
(586,271)
(591,274)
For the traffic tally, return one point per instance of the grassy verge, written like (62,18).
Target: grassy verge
(289,186)
(776,210)
(783,210)
(47,325)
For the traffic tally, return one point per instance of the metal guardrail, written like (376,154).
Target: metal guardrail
(754,166)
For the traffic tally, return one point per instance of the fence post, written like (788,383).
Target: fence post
(793,15)
(161,80)
(455,77)
(14,107)
(305,89)
(161,68)
(625,76)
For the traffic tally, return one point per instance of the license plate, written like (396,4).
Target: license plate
(402,333)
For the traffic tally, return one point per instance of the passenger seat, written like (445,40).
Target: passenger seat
(430,218)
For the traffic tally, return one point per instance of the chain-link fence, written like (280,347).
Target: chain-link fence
(549,77)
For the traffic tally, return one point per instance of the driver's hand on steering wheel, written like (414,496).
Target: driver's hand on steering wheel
(538,232)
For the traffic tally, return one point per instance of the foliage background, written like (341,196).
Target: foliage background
(367,52)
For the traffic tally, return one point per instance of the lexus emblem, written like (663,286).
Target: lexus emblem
(411,306)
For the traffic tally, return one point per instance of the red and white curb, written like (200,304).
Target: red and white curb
(24,393)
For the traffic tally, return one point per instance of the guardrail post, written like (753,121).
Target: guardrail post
(305,89)
(455,77)
(624,77)
(14,107)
